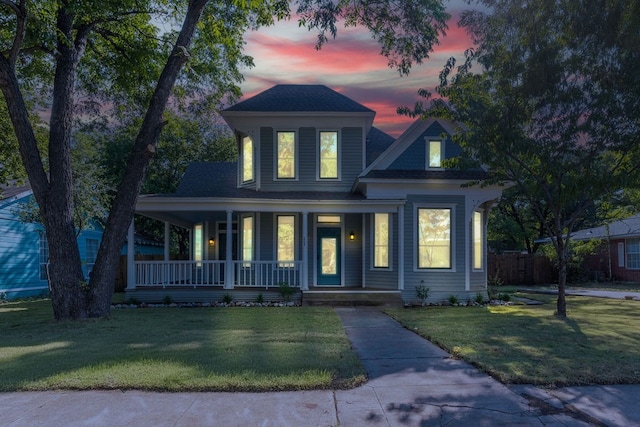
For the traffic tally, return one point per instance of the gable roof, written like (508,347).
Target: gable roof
(299,98)
(12,192)
(377,142)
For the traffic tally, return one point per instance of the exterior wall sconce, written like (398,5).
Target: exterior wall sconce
(352,236)
(211,241)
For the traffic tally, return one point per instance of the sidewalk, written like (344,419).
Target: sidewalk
(411,383)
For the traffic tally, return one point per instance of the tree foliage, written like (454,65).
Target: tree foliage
(550,102)
(86,59)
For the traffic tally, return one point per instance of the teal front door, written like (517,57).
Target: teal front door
(329,256)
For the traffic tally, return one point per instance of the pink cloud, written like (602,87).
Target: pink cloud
(350,64)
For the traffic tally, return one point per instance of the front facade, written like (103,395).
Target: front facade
(320,200)
(24,250)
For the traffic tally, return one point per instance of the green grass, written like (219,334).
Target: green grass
(198,349)
(612,286)
(599,342)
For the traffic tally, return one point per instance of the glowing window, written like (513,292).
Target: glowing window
(328,155)
(286,155)
(434,238)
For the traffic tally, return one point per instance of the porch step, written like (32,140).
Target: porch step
(351,298)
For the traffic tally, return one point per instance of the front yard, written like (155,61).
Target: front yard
(599,343)
(176,349)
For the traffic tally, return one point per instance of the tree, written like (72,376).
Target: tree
(553,106)
(85,54)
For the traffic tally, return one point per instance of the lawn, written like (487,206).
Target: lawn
(599,342)
(176,349)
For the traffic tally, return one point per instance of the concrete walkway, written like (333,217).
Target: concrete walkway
(411,383)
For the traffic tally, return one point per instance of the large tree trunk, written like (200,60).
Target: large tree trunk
(123,207)
(563,258)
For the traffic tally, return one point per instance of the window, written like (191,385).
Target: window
(434,238)
(620,254)
(633,254)
(286,155)
(477,240)
(197,243)
(43,256)
(247,159)
(91,253)
(435,154)
(381,240)
(286,238)
(247,238)
(329,219)
(328,155)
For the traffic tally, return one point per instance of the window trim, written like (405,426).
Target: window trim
(474,266)
(253,238)
(452,237)
(242,161)
(635,265)
(389,266)
(276,158)
(276,240)
(338,154)
(428,153)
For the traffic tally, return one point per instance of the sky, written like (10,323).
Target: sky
(350,64)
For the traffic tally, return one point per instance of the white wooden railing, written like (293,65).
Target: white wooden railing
(212,273)
(179,273)
(267,273)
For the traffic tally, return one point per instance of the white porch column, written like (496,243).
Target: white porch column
(167,240)
(131,251)
(304,280)
(229,268)
(401,247)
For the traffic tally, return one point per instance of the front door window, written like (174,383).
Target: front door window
(329,256)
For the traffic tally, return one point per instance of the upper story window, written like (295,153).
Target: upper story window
(247,158)
(434,238)
(328,160)
(435,153)
(285,155)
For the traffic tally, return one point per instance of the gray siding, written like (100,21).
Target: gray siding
(353,250)
(414,157)
(442,283)
(381,278)
(350,152)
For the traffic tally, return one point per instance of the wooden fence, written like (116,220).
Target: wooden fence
(521,269)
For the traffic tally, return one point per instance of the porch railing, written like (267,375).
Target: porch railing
(179,273)
(267,273)
(212,273)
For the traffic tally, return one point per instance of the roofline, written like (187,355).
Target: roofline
(15,197)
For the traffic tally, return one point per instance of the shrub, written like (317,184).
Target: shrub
(479,298)
(260,298)
(504,296)
(286,291)
(422,292)
(453,300)
(167,299)
(227,298)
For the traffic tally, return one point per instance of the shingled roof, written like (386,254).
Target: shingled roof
(299,98)
(218,179)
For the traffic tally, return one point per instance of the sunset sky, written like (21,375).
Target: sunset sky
(351,64)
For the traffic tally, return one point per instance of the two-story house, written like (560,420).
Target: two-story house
(321,200)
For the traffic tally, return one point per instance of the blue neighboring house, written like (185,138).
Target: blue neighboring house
(323,201)
(24,249)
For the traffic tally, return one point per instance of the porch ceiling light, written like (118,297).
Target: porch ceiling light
(212,241)
(352,236)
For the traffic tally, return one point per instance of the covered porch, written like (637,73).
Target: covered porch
(245,248)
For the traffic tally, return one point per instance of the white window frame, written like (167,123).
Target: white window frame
(475,245)
(243,230)
(338,176)
(283,263)
(374,245)
(276,156)
(428,152)
(242,157)
(632,248)
(198,244)
(452,237)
